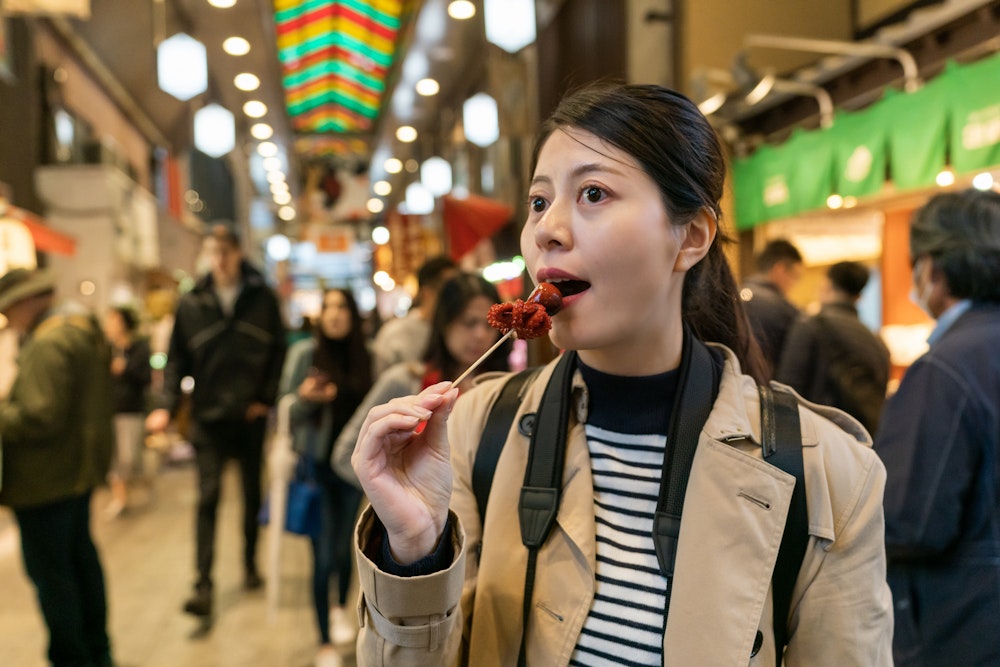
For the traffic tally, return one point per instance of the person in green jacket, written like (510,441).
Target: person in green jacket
(56,433)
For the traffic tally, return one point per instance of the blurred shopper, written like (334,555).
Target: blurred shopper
(330,374)
(459,336)
(56,435)
(940,440)
(130,377)
(831,357)
(405,338)
(765,296)
(229,337)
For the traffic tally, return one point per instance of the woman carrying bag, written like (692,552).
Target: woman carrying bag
(329,374)
(623,218)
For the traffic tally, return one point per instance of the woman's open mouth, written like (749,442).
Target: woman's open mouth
(568,288)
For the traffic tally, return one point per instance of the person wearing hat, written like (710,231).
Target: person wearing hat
(939,438)
(56,433)
(229,336)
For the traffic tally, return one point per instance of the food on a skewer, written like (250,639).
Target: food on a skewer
(547,295)
(527,319)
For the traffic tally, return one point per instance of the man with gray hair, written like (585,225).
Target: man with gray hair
(939,438)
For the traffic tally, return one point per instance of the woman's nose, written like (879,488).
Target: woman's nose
(553,228)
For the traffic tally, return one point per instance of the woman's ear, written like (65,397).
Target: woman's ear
(699,234)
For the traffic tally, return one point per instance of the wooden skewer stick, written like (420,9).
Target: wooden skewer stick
(475,365)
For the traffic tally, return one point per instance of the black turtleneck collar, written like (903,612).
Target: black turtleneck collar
(634,405)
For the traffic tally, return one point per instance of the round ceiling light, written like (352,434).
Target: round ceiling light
(261,131)
(406,134)
(236,46)
(246,81)
(255,109)
(428,87)
(461,9)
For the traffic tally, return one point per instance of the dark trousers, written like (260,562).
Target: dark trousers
(214,444)
(332,549)
(62,562)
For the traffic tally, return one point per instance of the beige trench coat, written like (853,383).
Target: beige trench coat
(734,514)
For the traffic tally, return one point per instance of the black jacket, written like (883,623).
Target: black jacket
(940,441)
(833,359)
(129,390)
(771,316)
(234,361)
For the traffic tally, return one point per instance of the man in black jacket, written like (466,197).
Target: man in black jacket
(765,297)
(832,357)
(229,337)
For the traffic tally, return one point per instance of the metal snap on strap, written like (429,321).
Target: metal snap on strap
(527,425)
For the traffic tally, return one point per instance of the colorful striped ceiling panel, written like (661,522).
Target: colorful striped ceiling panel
(335,56)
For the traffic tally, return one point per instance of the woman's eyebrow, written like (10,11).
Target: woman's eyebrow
(581,170)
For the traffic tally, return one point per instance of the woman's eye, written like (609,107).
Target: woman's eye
(536,204)
(593,193)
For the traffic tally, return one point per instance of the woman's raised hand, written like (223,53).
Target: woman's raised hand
(406,471)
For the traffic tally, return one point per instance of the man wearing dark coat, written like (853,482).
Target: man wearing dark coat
(229,337)
(831,357)
(56,437)
(939,438)
(765,297)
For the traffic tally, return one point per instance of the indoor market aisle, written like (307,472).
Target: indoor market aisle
(148,561)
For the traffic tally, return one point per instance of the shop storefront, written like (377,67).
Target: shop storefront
(848,191)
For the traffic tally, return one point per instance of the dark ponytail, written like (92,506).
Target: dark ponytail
(666,134)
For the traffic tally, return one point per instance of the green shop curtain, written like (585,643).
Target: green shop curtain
(974,105)
(774,182)
(954,118)
(779,181)
(810,154)
(859,142)
(917,127)
(748,204)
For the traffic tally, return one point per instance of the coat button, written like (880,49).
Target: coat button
(758,641)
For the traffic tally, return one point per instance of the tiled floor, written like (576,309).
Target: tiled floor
(148,560)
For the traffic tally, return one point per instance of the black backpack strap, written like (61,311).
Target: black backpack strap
(696,391)
(542,487)
(781,440)
(494,437)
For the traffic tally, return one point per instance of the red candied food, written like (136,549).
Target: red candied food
(549,296)
(527,320)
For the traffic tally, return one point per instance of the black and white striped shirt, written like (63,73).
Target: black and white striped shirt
(626,430)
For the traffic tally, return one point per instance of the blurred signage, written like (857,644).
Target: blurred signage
(331,239)
(77,8)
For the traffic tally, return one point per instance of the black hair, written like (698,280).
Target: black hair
(224,232)
(346,360)
(130,320)
(960,232)
(676,146)
(431,273)
(778,250)
(848,277)
(453,298)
